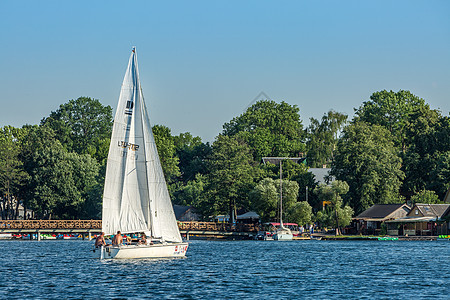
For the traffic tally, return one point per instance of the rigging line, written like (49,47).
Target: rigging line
(145,123)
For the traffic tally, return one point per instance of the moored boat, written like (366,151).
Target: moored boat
(283,234)
(6,236)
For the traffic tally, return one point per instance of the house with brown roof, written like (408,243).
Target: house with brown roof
(370,220)
(423,219)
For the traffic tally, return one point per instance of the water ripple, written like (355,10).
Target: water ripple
(230,270)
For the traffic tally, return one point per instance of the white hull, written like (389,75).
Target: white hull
(283,237)
(5,236)
(284,234)
(142,251)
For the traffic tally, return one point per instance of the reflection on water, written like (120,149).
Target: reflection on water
(231,269)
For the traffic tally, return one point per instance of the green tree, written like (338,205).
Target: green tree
(265,199)
(367,160)
(192,193)
(83,125)
(306,182)
(440,174)
(192,154)
(166,151)
(60,181)
(418,131)
(269,128)
(231,178)
(79,173)
(421,130)
(51,183)
(425,196)
(395,111)
(12,174)
(326,218)
(293,171)
(322,138)
(427,161)
(92,206)
(300,213)
(290,195)
(342,214)
(35,141)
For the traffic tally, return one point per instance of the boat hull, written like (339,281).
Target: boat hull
(283,237)
(283,234)
(171,250)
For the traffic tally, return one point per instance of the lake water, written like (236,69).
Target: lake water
(230,270)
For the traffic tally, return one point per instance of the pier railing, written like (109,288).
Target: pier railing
(212,226)
(50,224)
(97,225)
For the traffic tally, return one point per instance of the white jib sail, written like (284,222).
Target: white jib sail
(135,197)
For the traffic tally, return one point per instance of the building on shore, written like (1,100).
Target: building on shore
(250,217)
(422,220)
(369,221)
(445,220)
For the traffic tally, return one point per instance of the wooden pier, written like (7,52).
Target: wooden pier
(90,227)
(39,227)
(48,225)
(217,230)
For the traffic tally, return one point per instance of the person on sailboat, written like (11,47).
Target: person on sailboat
(100,240)
(117,239)
(143,240)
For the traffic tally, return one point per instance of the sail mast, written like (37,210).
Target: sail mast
(281,194)
(140,105)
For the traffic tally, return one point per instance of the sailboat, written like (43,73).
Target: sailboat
(135,196)
(282,233)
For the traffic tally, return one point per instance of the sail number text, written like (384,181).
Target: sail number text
(130,146)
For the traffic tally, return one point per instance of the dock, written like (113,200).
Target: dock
(189,230)
(212,230)
(39,227)
(200,230)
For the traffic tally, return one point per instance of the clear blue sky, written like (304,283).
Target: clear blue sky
(203,62)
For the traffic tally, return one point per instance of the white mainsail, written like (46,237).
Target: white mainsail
(135,197)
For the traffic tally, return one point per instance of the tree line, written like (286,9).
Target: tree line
(395,149)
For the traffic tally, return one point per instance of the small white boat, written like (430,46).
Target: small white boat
(5,236)
(283,234)
(135,197)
